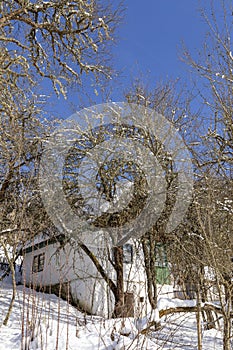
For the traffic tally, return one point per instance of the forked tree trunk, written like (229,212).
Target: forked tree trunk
(116,288)
(210,318)
(148,245)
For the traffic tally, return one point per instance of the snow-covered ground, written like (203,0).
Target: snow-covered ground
(49,323)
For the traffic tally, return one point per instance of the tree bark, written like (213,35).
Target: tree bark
(227,318)
(119,296)
(148,274)
(12,268)
(198,317)
(116,288)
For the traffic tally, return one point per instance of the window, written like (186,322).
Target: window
(38,263)
(127,250)
(127,253)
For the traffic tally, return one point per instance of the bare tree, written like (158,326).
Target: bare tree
(163,100)
(213,68)
(214,71)
(57,41)
(50,40)
(202,250)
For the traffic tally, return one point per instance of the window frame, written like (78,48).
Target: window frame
(38,263)
(129,252)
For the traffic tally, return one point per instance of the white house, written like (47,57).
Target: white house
(51,264)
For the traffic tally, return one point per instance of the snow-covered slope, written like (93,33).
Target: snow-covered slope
(49,323)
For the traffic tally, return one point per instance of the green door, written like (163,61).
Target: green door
(162,269)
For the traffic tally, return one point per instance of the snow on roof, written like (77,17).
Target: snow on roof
(41,237)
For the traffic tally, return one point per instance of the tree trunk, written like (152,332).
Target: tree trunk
(148,246)
(227,334)
(118,287)
(208,315)
(198,317)
(227,318)
(12,268)
(119,295)
(149,274)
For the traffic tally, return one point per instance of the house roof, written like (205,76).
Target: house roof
(40,241)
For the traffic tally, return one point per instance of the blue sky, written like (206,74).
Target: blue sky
(152,34)
(150,45)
